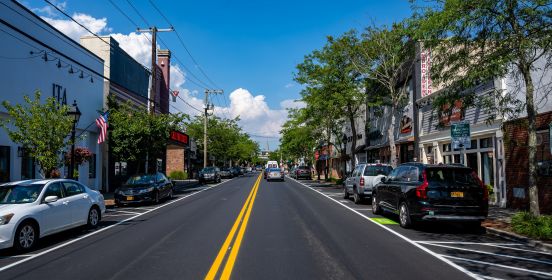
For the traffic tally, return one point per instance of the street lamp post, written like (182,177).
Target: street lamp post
(343,154)
(75,113)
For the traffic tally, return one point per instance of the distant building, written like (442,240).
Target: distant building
(264,155)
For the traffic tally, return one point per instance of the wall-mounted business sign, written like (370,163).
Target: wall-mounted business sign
(180,137)
(460,134)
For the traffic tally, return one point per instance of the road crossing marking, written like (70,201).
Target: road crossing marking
(239,225)
(498,265)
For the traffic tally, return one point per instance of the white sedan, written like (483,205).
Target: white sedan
(33,209)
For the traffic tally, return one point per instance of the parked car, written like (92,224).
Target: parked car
(259,168)
(363,178)
(303,172)
(422,192)
(248,169)
(225,173)
(275,174)
(32,209)
(292,173)
(142,188)
(209,174)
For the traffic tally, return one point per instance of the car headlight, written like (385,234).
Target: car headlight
(5,218)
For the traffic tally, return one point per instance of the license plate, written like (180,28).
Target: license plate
(130,198)
(456,194)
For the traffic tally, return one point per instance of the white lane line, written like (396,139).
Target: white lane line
(340,201)
(129,212)
(18,256)
(490,278)
(117,215)
(361,209)
(438,256)
(499,265)
(102,229)
(519,249)
(468,243)
(489,253)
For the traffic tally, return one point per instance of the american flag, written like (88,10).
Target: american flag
(101,122)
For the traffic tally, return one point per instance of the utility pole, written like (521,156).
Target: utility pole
(151,96)
(207,106)
(151,93)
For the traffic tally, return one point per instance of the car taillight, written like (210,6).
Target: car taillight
(362,181)
(421,190)
(485,190)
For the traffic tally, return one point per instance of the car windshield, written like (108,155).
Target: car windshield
(450,175)
(141,179)
(19,194)
(375,170)
(274,170)
(208,170)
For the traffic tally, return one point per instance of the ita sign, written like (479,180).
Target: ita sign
(460,134)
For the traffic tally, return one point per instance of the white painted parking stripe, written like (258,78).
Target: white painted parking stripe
(490,278)
(519,249)
(499,265)
(129,212)
(117,215)
(438,256)
(489,253)
(469,243)
(102,230)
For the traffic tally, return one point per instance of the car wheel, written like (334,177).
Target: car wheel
(26,237)
(356,197)
(376,209)
(345,193)
(404,216)
(93,217)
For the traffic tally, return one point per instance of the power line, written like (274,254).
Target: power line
(183,44)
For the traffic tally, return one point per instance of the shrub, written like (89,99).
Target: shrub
(538,227)
(178,175)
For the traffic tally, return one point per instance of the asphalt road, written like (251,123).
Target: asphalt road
(247,228)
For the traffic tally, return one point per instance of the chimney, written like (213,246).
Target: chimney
(164,64)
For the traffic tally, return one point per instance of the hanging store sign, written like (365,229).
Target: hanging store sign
(425,65)
(460,134)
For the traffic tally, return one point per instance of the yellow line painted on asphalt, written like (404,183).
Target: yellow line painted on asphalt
(226,245)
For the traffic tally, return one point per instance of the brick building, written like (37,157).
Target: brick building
(517,171)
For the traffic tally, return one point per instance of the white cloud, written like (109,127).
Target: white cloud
(74,31)
(289,85)
(292,104)
(136,45)
(49,10)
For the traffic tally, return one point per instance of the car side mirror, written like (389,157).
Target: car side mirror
(50,199)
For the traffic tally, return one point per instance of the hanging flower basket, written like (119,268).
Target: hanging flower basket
(82,155)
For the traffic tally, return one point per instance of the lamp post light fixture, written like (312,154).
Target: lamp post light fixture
(75,113)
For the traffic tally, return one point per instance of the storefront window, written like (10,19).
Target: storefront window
(486,142)
(4,163)
(27,167)
(92,167)
(473,144)
(472,161)
(448,159)
(446,147)
(487,172)
(457,158)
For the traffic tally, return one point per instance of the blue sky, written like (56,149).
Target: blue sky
(249,45)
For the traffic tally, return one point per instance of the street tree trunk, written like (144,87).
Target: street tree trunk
(532,141)
(354,140)
(391,135)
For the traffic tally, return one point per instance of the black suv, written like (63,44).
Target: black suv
(423,192)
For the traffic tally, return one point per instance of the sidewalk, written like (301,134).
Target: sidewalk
(179,185)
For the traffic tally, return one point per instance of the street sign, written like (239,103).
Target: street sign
(460,134)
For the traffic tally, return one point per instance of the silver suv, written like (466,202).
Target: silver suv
(363,179)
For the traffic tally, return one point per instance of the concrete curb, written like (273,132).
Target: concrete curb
(519,238)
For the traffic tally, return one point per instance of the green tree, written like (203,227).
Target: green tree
(138,136)
(335,91)
(298,138)
(41,128)
(486,39)
(386,56)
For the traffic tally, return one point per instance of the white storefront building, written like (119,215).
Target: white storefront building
(37,57)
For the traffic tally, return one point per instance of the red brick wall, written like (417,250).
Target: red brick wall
(175,160)
(515,150)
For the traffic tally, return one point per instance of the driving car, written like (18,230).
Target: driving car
(292,173)
(425,192)
(142,188)
(209,174)
(33,209)
(275,174)
(363,178)
(303,172)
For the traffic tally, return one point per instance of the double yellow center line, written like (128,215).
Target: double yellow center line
(239,226)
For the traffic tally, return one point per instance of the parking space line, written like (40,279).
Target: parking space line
(102,230)
(489,277)
(17,256)
(499,265)
(434,254)
(117,215)
(519,249)
(489,253)
(468,243)
(129,212)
